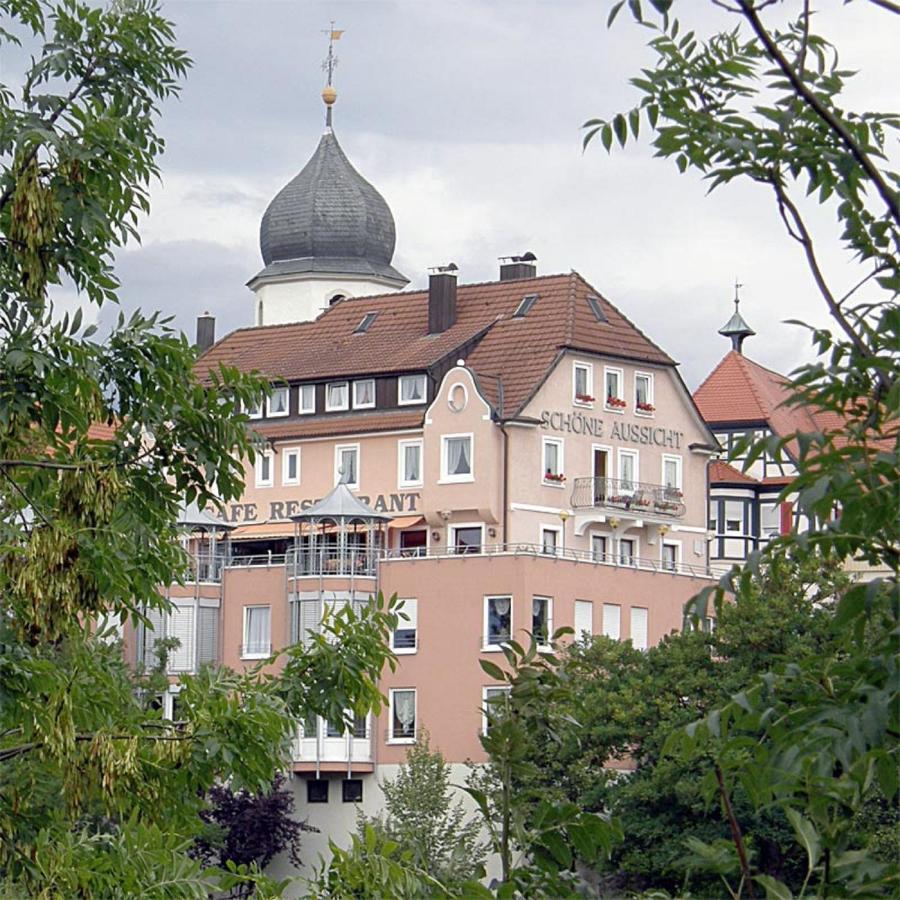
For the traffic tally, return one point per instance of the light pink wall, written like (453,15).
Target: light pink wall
(478,500)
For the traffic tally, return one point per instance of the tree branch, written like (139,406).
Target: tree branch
(54,118)
(825,114)
(736,836)
(22,749)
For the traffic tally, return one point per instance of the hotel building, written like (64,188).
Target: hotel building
(504,457)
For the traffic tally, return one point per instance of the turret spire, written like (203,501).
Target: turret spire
(736,328)
(329,94)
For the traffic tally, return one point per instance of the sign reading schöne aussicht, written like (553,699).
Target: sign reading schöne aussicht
(627,432)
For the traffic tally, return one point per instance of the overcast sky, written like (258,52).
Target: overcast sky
(466,116)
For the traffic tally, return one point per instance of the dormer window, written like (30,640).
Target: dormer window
(337,396)
(278,402)
(411,390)
(307,396)
(253,409)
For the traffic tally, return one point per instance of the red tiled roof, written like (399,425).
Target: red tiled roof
(520,351)
(353,423)
(721,473)
(101,432)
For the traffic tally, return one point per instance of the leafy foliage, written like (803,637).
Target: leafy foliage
(101,442)
(813,738)
(249,828)
(421,817)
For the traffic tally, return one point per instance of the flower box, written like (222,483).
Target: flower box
(557,479)
(645,407)
(616,403)
(584,398)
(640,501)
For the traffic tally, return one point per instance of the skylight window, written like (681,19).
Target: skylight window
(527,302)
(366,323)
(597,310)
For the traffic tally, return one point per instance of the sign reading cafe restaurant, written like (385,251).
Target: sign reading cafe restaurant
(281,510)
(628,432)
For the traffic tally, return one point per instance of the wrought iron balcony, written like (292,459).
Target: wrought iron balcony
(635,498)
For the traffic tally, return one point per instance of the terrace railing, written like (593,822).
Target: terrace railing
(633,497)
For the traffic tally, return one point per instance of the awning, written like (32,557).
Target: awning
(261,530)
(406,521)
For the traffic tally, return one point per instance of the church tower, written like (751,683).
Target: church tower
(326,235)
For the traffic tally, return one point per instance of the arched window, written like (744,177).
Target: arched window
(336,299)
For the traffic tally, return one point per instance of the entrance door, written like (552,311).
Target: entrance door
(601,473)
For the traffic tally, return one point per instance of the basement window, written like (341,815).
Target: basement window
(366,323)
(526,304)
(597,310)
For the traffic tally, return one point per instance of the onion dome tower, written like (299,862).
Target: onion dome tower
(326,235)
(736,328)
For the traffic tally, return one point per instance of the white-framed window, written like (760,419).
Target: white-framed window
(278,402)
(337,396)
(551,539)
(457,463)
(614,388)
(582,384)
(612,620)
(553,462)
(599,548)
(411,390)
(466,538)
(627,551)
(639,627)
(346,465)
(254,409)
(364,393)
(405,637)
(290,465)
(671,472)
(409,463)
(584,619)
(265,463)
(628,470)
(643,394)
(257,632)
(542,619)
(670,555)
(493,702)
(497,621)
(402,702)
(307,399)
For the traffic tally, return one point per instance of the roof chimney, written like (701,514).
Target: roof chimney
(206,331)
(442,298)
(515,267)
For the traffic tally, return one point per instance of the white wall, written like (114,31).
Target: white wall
(303,299)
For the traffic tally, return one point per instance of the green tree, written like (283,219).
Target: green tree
(98,795)
(816,738)
(420,815)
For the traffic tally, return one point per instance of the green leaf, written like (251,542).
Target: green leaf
(775,890)
(807,834)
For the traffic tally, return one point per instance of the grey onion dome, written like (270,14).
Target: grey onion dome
(329,212)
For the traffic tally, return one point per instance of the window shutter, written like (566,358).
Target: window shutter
(181,626)
(584,618)
(154,631)
(208,635)
(611,619)
(639,627)
(310,619)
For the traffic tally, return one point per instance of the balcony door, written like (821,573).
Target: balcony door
(601,473)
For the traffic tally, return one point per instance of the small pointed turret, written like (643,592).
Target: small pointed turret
(736,328)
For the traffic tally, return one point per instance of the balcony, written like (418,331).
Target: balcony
(635,499)
(332,560)
(205,568)
(539,551)
(332,747)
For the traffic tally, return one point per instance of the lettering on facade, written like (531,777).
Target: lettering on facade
(281,510)
(627,432)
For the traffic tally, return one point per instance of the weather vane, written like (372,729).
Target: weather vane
(737,298)
(329,94)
